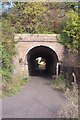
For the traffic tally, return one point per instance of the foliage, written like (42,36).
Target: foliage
(72,5)
(39,17)
(71,32)
(8,50)
(61,83)
(69,109)
(36,17)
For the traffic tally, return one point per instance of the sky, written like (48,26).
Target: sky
(6,6)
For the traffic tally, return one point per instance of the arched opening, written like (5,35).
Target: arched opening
(42,60)
(40,64)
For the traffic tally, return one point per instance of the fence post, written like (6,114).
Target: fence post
(57,68)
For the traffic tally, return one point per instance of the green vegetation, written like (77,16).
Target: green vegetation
(69,109)
(37,17)
(71,32)
(47,18)
(61,83)
(8,50)
(15,85)
(70,89)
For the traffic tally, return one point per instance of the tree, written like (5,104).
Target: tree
(36,17)
(8,50)
(71,32)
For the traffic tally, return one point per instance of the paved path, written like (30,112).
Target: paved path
(37,99)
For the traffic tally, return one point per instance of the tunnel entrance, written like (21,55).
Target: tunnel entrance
(42,60)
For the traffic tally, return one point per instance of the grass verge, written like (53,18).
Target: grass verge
(14,85)
(61,83)
(69,109)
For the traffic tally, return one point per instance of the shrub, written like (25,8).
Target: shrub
(7,50)
(15,85)
(69,109)
(61,83)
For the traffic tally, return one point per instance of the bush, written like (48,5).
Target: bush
(15,85)
(61,83)
(70,89)
(7,50)
(69,109)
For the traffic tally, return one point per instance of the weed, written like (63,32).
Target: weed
(60,83)
(15,85)
(70,109)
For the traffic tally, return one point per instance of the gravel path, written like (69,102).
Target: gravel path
(37,99)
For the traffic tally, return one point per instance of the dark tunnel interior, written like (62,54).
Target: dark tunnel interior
(46,54)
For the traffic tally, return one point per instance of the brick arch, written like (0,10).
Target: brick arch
(48,54)
(26,42)
(50,47)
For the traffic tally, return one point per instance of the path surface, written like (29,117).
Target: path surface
(37,99)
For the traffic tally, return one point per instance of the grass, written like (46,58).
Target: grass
(70,89)
(60,83)
(70,109)
(15,85)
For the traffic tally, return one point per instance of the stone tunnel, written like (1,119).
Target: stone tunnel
(30,47)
